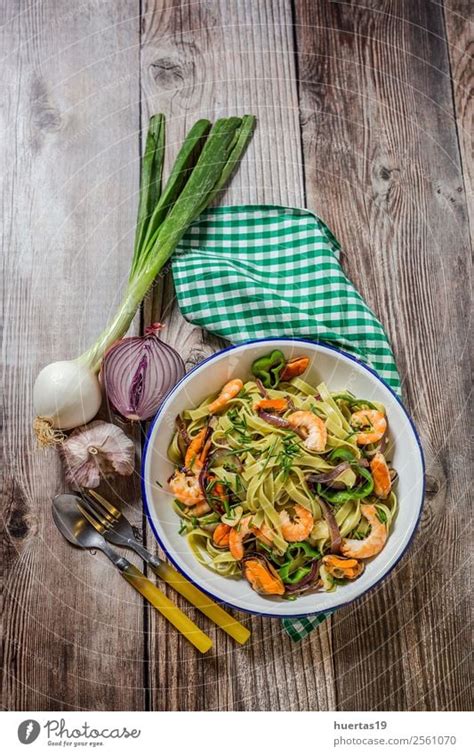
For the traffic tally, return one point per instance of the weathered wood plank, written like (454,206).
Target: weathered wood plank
(459,20)
(210,59)
(383,168)
(72,628)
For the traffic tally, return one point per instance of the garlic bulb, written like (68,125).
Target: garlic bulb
(97,450)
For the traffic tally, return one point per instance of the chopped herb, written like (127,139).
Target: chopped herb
(268,457)
(291,449)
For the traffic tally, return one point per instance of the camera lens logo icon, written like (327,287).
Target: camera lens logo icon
(28,731)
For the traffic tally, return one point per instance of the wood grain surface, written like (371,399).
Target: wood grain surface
(364,116)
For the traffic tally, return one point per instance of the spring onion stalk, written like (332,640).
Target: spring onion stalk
(67,394)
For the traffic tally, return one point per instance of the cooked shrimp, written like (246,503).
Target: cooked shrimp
(296,526)
(264,533)
(221,535)
(294,367)
(237,537)
(277,405)
(186,488)
(381,475)
(313,427)
(228,392)
(373,420)
(193,459)
(372,544)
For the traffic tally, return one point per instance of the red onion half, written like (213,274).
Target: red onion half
(138,372)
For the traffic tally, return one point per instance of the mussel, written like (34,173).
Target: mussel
(261,575)
(343,568)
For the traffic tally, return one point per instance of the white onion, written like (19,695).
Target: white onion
(66,394)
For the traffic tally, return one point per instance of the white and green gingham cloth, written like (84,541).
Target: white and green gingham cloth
(258,271)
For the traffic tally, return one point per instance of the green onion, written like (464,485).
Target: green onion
(188,192)
(67,393)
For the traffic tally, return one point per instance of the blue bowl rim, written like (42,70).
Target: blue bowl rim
(165,549)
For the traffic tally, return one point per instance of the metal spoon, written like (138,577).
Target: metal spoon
(80,533)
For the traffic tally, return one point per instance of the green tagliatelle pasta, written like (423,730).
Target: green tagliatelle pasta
(278,501)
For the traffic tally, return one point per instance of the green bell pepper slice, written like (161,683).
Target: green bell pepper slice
(354,402)
(341,496)
(301,571)
(341,454)
(269,367)
(306,547)
(293,579)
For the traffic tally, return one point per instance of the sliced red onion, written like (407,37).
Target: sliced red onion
(334,532)
(276,421)
(183,438)
(203,478)
(291,405)
(203,481)
(326,477)
(273,419)
(138,372)
(261,388)
(182,430)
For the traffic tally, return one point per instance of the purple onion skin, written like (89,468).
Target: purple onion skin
(138,372)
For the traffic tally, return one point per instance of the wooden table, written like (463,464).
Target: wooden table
(363,116)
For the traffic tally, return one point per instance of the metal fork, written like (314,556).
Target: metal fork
(116,528)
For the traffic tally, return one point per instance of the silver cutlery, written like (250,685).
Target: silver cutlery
(79,531)
(116,528)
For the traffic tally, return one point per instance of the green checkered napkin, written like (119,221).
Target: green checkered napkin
(259,271)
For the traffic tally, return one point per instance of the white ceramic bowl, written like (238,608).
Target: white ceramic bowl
(339,371)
